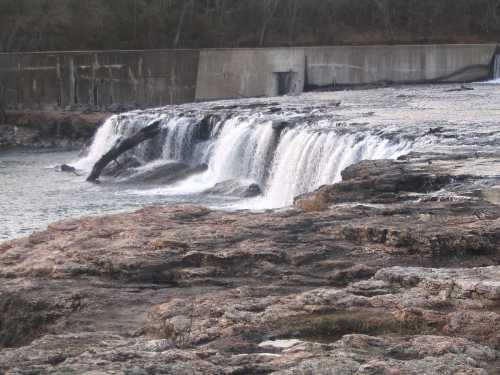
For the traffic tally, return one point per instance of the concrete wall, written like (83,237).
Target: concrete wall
(412,63)
(252,72)
(242,73)
(99,79)
(153,78)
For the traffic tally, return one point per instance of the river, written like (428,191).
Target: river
(318,134)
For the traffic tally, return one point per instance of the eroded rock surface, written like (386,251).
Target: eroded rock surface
(409,285)
(51,129)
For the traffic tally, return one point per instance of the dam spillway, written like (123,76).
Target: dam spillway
(496,68)
(121,80)
(286,152)
(291,145)
(319,133)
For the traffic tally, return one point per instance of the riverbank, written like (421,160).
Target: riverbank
(393,269)
(65,130)
(393,278)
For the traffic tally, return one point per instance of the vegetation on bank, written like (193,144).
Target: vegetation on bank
(30,25)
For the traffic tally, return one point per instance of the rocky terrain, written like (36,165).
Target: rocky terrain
(51,129)
(395,270)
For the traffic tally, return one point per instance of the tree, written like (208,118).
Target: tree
(268,9)
(384,8)
(294,9)
(27,25)
(187,4)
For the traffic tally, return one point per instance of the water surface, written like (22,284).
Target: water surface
(381,123)
(33,194)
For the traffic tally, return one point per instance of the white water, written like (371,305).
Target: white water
(368,124)
(106,135)
(496,68)
(496,71)
(306,160)
(285,163)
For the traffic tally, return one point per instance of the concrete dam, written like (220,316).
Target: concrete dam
(104,80)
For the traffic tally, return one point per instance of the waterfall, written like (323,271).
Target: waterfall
(242,150)
(496,68)
(285,161)
(307,160)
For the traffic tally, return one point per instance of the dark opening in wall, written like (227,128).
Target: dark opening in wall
(96,95)
(75,91)
(284,82)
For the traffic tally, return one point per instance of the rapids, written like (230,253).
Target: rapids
(286,154)
(288,146)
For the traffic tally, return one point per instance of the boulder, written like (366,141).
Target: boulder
(376,181)
(122,168)
(67,168)
(167,173)
(236,188)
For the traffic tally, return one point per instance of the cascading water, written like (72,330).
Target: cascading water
(496,68)
(306,160)
(285,159)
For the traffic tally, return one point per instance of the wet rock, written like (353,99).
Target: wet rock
(461,88)
(206,126)
(376,181)
(51,129)
(280,125)
(166,173)
(67,168)
(236,188)
(435,130)
(122,167)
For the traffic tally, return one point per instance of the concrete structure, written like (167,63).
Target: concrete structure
(99,79)
(243,73)
(158,77)
(347,65)
(257,72)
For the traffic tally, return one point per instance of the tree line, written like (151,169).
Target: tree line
(32,25)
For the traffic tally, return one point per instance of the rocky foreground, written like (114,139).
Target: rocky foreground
(396,270)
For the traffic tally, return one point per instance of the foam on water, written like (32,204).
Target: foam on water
(496,72)
(493,81)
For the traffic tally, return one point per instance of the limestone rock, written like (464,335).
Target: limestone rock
(236,188)
(407,287)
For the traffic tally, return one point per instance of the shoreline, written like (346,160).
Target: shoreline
(65,130)
(395,269)
(374,268)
